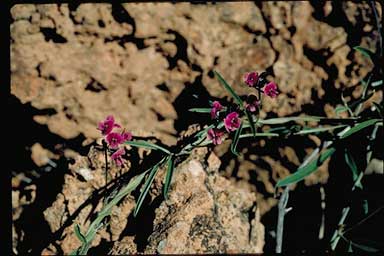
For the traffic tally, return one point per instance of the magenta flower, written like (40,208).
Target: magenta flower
(215,135)
(117,156)
(107,125)
(216,107)
(251,78)
(271,90)
(126,136)
(232,121)
(252,103)
(114,139)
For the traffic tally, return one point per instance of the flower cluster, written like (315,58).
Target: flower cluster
(114,139)
(232,120)
(253,79)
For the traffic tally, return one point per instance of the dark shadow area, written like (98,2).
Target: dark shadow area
(48,184)
(32,221)
(181,53)
(142,225)
(102,249)
(33,132)
(51,34)
(194,95)
(121,15)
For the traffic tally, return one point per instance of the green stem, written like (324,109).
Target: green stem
(338,233)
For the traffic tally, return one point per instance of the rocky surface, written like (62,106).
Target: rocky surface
(205,212)
(147,63)
(85,62)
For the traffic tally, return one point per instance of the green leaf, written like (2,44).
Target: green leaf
(365,206)
(251,122)
(352,165)
(106,210)
(259,134)
(146,144)
(229,89)
(350,247)
(364,247)
(168,176)
(340,109)
(379,109)
(377,83)
(366,52)
(346,104)
(235,140)
(359,127)
(282,120)
(147,185)
(306,170)
(200,110)
(133,183)
(79,235)
(320,129)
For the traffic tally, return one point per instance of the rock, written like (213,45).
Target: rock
(205,213)
(40,155)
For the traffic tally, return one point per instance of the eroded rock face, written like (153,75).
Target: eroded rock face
(133,60)
(205,212)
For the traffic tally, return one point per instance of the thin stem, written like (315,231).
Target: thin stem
(365,219)
(337,234)
(106,170)
(378,25)
(280,221)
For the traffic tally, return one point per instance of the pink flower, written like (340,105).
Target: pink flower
(114,139)
(126,136)
(271,90)
(215,135)
(216,107)
(251,78)
(232,121)
(117,156)
(107,125)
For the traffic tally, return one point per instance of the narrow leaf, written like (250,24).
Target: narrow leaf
(317,130)
(306,170)
(79,235)
(340,109)
(147,185)
(359,127)
(379,109)
(352,165)
(251,122)
(366,52)
(365,248)
(235,140)
(350,246)
(377,83)
(200,110)
(282,120)
(168,176)
(259,134)
(365,206)
(229,89)
(146,144)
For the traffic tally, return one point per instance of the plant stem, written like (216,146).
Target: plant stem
(106,171)
(378,25)
(280,221)
(337,234)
